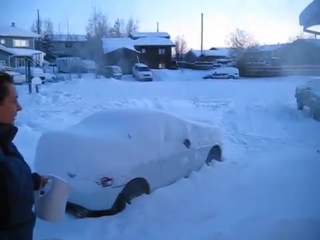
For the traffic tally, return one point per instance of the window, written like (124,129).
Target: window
(20,43)
(68,44)
(162,51)
(162,65)
(143,50)
(2,41)
(2,63)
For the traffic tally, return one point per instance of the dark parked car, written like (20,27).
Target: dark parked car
(113,72)
(309,95)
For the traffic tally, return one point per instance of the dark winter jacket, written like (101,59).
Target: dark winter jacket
(17,186)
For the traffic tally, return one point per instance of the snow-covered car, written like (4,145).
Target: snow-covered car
(17,77)
(113,156)
(141,72)
(309,95)
(224,73)
(113,72)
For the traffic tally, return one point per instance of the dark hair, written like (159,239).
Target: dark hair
(5,79)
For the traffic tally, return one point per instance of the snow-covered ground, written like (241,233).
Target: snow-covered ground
(268,187)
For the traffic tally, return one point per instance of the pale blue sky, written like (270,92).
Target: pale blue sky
(269,21)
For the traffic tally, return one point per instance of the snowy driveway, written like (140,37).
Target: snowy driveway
(268,187)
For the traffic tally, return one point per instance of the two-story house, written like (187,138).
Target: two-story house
(69,45)
(151,48)
(17,45)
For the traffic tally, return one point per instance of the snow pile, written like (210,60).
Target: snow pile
(266,189)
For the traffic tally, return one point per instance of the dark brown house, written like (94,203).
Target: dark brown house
(152,49)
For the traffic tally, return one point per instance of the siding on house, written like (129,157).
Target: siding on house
(8,41)
(123,57)
(4,58)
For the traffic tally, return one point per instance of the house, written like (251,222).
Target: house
(152,49)
(69,45)
(197,59)
(17,45)
(210,55)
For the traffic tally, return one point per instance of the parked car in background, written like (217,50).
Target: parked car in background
(309,95)
(113,72)
(35,72)
(17,77)
(89,65)
(115,155)
(71,65)
(142,72)
(223,73)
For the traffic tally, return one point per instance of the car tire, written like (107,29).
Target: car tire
(231,77)
(214,154)
(132,189)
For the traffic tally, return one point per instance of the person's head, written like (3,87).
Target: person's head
(9,105)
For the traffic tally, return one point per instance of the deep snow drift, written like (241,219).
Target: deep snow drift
(268,187)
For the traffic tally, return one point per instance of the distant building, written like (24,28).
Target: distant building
(17,45)
(153,49)
(69,45)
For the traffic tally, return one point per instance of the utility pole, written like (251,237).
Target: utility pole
(157,26)
(38,22)
(201,32)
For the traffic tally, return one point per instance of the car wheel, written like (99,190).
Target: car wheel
(133,189)
(231,77)
(214,154)
(299,105)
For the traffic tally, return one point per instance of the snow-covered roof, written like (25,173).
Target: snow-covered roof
(20,51)
(69,38)
(112,44)
(14,31)
(149,34)
(270,47)
(153,41)
(316,42)
(211,53)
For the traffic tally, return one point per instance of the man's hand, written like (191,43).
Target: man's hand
(44,181)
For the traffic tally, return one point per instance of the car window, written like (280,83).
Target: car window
(144,69)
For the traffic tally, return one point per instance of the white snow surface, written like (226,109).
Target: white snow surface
(267,187)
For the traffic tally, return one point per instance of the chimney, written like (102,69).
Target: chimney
(13,24)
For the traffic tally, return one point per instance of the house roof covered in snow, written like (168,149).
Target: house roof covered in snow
(149,34)
(211,53)
(14,31)
(112,44)
(69,38)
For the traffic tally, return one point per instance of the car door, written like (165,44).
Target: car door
(176,162)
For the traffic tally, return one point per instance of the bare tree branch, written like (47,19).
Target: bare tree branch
(180,45)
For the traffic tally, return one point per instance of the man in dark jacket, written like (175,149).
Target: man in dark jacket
(17,182)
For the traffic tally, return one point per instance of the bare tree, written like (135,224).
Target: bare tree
(131,26)
(118,28)
(180,46)
(98,24)
(45,26)
(240,42)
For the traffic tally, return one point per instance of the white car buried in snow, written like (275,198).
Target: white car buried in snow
(141,72)
(112,156)
(224,73)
